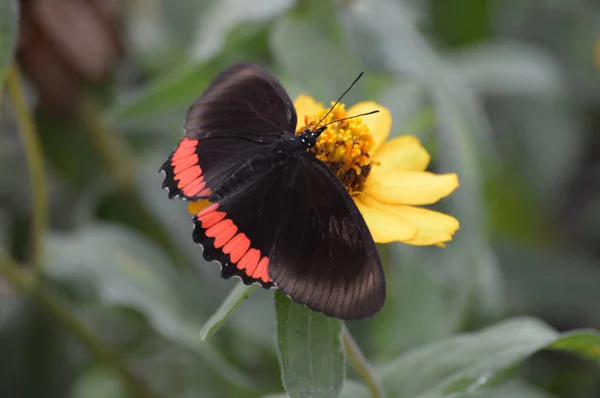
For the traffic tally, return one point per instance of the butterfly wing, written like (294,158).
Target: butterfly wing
(243,110)
(297,228)
(244,101)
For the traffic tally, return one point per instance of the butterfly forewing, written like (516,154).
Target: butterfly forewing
(244,101)
(242,111)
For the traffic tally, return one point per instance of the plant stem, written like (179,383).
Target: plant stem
(113,150)
(27,283)
(360,364)
(35,164)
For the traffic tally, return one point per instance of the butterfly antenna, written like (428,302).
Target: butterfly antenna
(338,101)
(351,117)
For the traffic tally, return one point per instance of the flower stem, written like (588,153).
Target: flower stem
(35,164)
(27,283)
(360,364)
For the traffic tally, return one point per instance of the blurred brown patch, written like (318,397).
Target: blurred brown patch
(64,44)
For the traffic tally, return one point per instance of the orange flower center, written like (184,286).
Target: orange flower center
(344,146)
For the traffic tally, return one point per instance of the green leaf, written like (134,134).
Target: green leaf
(535,276)
(310,350)
(475,361)
(394,45)
(351,389)
(177,89)
(438,281)
(508,68)
(9,18)
(513,388)
(410,113)
(206,280)
(316,58)
(98,382)
(235,298)
(219,17)
(128,270)
(354,389)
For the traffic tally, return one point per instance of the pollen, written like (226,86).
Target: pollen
(344,146)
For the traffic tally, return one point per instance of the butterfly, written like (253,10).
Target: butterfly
(276,215)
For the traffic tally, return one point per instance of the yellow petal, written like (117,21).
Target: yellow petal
(197,207)
(403,153)
(306,106)
(433,228)
(379,124)
(410,188)
(384,227)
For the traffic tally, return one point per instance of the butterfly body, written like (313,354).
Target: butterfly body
(276,215)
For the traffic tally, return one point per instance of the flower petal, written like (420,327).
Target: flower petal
(197,207)
(433,227)
(410,188)
(403,153)
(385,227)
(306,106)
(379,124)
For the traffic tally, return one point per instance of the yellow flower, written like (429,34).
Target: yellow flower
(387,180)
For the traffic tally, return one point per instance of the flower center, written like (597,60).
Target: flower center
(343,146)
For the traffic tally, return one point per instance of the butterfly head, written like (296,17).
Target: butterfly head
(309,136)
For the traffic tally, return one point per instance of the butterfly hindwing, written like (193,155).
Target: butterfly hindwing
(297,228)
(242,112)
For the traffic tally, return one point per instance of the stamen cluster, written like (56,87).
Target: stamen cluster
(343,146)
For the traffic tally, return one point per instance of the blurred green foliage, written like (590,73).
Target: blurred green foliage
(503,92)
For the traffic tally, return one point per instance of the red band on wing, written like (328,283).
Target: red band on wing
(210,216)
(261,271)
(195,187)
(236,244)
(184,163)
(188,176)
(237,247)
(187,172)
(223,231)
(249,261)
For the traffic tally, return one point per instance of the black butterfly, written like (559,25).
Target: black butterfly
(278,215)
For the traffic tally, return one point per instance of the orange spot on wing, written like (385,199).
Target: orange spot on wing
(196,207)
(223,231)
(187,176)
(262,270)
(237,247)
(210,216)
(249,261)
